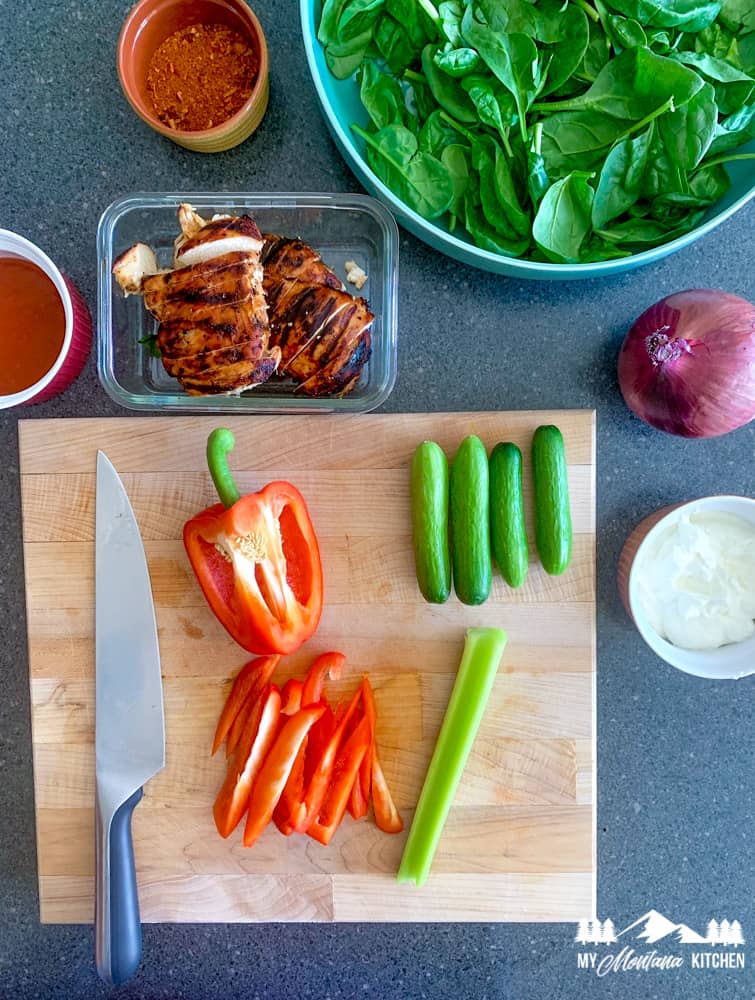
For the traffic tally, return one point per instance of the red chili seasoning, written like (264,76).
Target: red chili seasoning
(200,76)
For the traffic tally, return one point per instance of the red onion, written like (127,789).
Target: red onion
(687,366)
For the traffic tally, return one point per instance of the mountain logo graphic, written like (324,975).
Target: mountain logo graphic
(653,927)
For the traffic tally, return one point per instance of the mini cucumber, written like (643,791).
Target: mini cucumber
(553,528)
(470,522)
(508,535)
(429,488)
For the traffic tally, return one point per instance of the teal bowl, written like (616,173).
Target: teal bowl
(341,106)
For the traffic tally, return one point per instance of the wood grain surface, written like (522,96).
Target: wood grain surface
(520,840)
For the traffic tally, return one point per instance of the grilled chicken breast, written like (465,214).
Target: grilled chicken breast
(214,331)
(323,331)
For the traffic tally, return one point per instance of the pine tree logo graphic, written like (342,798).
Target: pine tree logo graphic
(653,927)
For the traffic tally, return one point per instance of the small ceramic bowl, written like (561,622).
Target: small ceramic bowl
(727,662)
(78,334)
(146,28)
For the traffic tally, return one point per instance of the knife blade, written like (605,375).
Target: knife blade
(130,725)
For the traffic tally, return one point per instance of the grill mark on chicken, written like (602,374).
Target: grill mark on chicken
(231,378)
(339,376)
(293,259)
(300,315)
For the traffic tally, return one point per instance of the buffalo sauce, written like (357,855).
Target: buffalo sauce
(32,324)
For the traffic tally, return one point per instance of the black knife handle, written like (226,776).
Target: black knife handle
(119,930)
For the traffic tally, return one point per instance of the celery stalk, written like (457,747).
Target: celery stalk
(483,650)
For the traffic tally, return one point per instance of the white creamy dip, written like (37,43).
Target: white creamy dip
(696,581)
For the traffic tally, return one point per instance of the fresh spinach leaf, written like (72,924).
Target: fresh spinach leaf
(457,62)
(662,174)
(596,55)
(381,96)
(344,58)
(738,15)
(538,181)
(358,17)
(733,87)
(687,15)
(566,34)
(688,132)
(436,134)
(563,219)
(620,180)
(505,189)
(578,140)
(446,91)
(706,186)
(494,210)
(419,179)
(519,16)
(451,13)
(649,232)
(327,30)
(420,98)
(455,159)
(512,58)
(598,249)
(484,235)
(495,107)
(394,44)
(413,19)
(735,130)
(633,85)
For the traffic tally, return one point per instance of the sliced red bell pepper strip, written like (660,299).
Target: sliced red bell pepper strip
(370,711)
(291,696)
(317,740)
(387,816)
(274,773)
(293,792)
(256,559)
(250,680)
(327,664)
(319,781)
(233,797)
(344,775)
(358,804)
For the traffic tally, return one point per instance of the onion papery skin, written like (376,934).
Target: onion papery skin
(687,366)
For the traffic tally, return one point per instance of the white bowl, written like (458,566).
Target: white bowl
(727,662)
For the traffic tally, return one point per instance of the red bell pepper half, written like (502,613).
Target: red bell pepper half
(256,559)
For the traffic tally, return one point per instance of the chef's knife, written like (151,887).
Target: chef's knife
(130,728)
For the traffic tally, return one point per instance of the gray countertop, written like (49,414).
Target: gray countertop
(675,754)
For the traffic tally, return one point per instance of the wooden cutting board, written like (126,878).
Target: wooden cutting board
(520,840)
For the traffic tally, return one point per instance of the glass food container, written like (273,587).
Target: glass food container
(341,227)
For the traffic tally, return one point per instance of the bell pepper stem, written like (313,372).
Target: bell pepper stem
(220,442)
